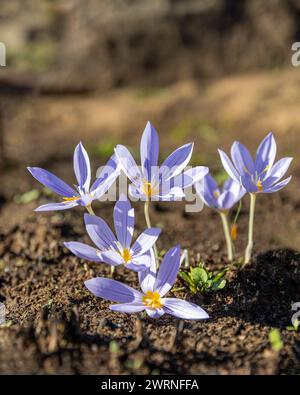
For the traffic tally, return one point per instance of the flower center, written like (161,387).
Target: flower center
(153,300)
(148,189)
(126,255)
(216,194)
(71,199)
(259,185)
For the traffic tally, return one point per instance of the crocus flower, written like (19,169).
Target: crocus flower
(82,194)
(116,250)
(221,200)
(153,182)
(154,288)
(261,175)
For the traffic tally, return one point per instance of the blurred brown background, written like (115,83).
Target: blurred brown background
(209,71)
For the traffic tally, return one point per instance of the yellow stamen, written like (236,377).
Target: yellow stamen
(259,185)
(71,199)
(266,168)
(247,171)
(153,300)
(126,255)
(148,189)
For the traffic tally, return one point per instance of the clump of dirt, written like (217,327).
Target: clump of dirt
(54,325)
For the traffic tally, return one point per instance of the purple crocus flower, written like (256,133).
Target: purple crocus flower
(82,194)
(116,250)
(154,288)
(153,182)
(261,175)
(219,199)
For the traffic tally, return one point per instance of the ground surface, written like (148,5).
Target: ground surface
(56,326)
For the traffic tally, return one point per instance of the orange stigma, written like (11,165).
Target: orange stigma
(126,255)
(259,186)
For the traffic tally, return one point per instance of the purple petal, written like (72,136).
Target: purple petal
(57,206)
(206,190)
(148,276)
(51,181)
(106,178)
(242,158)
(82,167)
(176,162)
(226,200)
(168,271)
(183,309)
(279,170)
(112,258)
(99,232)
(140,263)
(266,153)
(149,150)
(190,177)
(228,166)
(155,313)
(128,164)
(127,307)
(145,241)
(248,184)
(113,290)
(83,251)
(124,221)
(278,187)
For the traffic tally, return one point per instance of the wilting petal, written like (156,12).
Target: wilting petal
(266,154)
(113,290)
(112,258)
(83,251)
(145,241)
(51,181)
(155,313)
(128,164)
(57,206)
(124,221)
(148,276)
(106,178)
(277,187)
(140,263)
(279,170)
(99,232)
(168,271)
(127,307)
(242,159)
(149,150)
(183,309)
(82,167)
(228,166)
(176,162)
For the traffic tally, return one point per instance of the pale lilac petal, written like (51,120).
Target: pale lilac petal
(52,182)
(266,154)
(168,271)
(140,263)
(57,206)
(99,232)
(190,177)
(82,167)
(149,150)
(242,159)
(279,170)
(183,309)
(228,166)
(106,178)
(83,251)
(155,313)
(145,241)
(248,184)
(112,258)
(176,162)
(128,164)
(206,194)
(124,221)
(127,307)
(148,276)
(113,290)
(279,186)
(226,200)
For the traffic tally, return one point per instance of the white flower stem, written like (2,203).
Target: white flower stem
(249,248)
(224,218)
(148,222)
(90,210)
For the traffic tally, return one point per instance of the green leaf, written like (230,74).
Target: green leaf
(275,339)
(199,275)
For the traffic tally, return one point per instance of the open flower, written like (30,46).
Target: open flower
(261,175)
(116,250)
(153,182)
(219,199)
(154,288)
(83,194)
